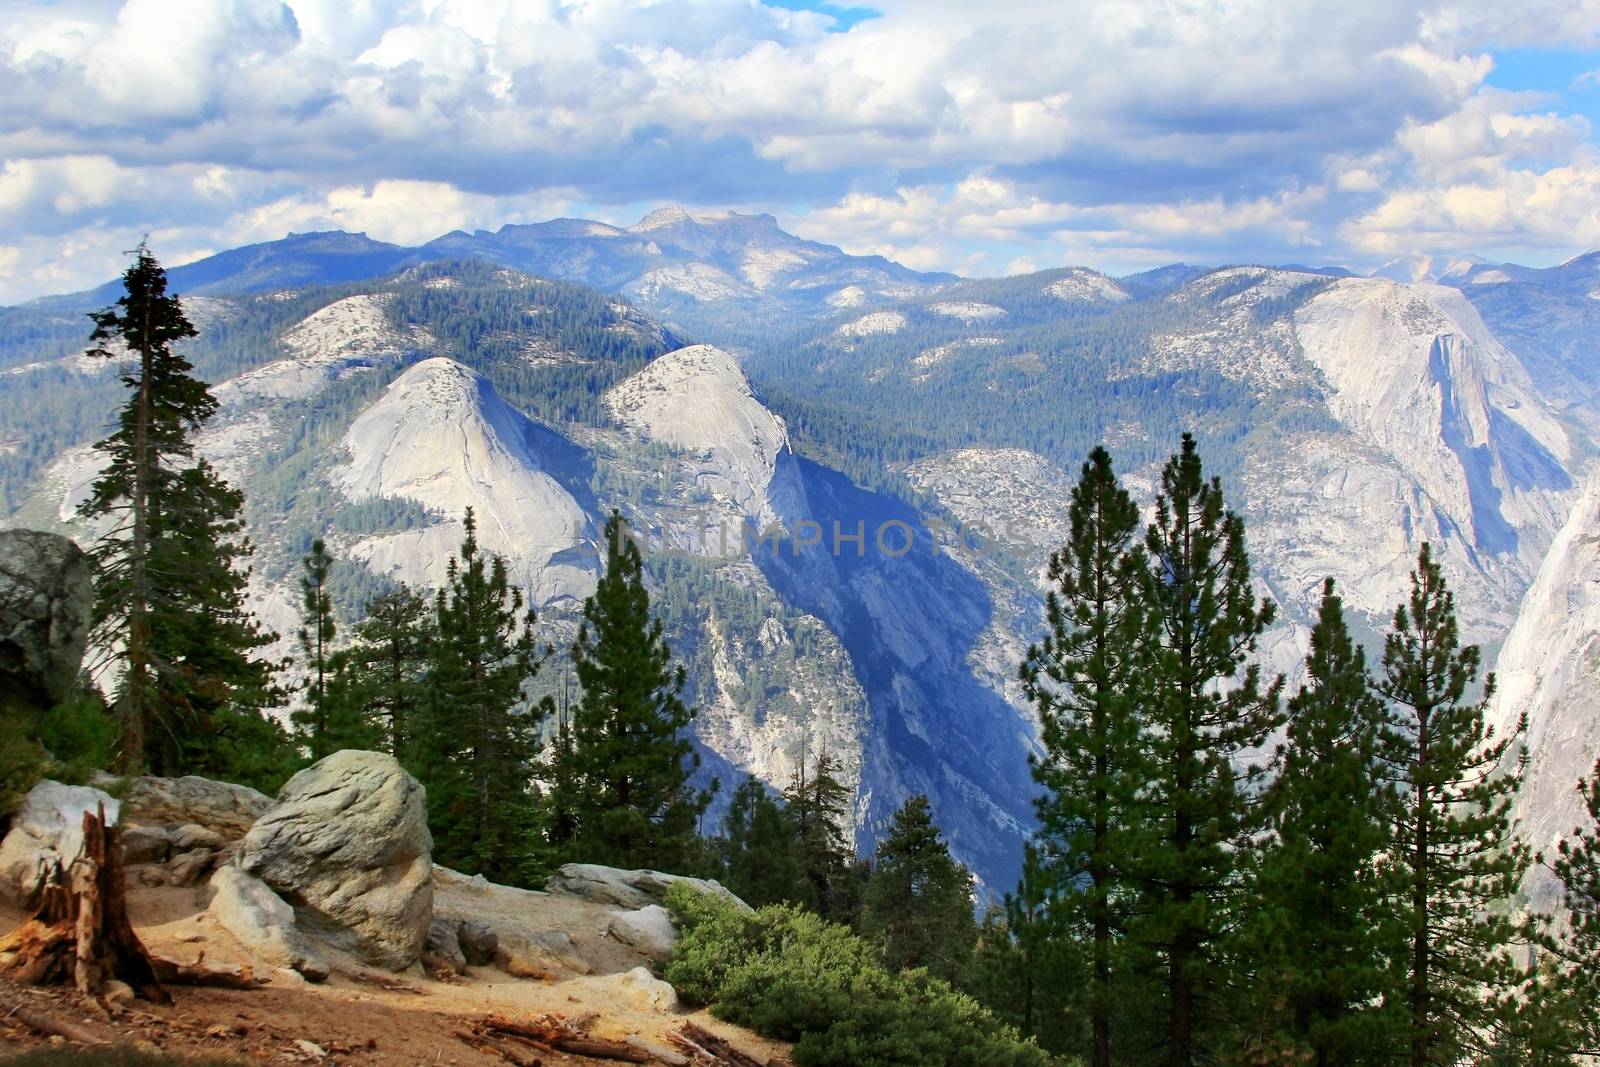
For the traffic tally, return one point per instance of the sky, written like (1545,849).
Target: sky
(981,138)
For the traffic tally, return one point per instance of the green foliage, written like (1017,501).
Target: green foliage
(1323,933)
(477,745)
(622,771)
(329,721)
(1577,866)
(170,579)
(23,761)
(789,974)
(1453,845)
(819,807)
(759,861)
(917,906)
(381,678)
(1083,679)
(1204,706)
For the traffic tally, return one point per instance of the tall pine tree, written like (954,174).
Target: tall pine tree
(478,744)
(1324,931)
(169,595)
(382,677)
(1082,680)
(626,767)
(1453,845)
(917,905)
(819,805)
(1577,867)
(760,862)
(1205,707)
(327,722)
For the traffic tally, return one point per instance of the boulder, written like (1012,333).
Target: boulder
(224,809)
(187,868)
(644,990)
(190,836)
(648,930)
(443,947)
(348,845)
(263,923)
(478,942)
(47,830)
(626,889)
(145,844)
(46,605)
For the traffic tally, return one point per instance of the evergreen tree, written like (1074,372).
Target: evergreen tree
(917,906)
(1453,845)
(317,731)
(477,746)
(1577,866)
(760,861)
(382,677)
(1205,707)
(819,805)
(1325,932)
(170,584)
(629,760)
(1082,679)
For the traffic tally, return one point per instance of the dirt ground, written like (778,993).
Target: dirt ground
(360,1016)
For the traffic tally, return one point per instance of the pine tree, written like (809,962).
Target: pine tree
(1453,845)
(382,677)
(1324,932)
(1082,680)
(760,860)
(170,585)
(917,906)
(1205,707)
(630,758)
(316,636)
(477,747)
(819,805)
(1577,867)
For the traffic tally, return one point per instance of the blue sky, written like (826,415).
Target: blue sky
(979,138)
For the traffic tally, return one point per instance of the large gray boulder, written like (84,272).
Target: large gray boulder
(263,923)
(648,931)
(47,830)
(225,809)
(46,605)
(627,889)
(348,845)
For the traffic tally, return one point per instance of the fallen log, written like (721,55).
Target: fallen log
(550,1032)
(46,1023)
(692,1037)
(80,933)
(171,972)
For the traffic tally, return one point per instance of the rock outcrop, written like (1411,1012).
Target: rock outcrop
(225,810)
(45,832)
(46,601)
(648,930)
(626,889)
(348,846)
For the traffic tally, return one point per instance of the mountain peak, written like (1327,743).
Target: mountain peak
(661,218)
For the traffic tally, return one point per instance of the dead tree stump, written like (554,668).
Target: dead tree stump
(80,933)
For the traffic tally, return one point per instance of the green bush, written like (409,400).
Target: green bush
(786,973)
(22,762)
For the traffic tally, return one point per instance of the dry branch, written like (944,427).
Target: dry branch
(697,1039)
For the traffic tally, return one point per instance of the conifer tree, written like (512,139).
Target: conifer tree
(1324,931)
(1577,867)
(477,747)
(1082,680)
(1205,706)
(170,580)
(760,860)
(1453,844)
(819,806)
(917,905)
(383,675)
(630,758)
(317,631)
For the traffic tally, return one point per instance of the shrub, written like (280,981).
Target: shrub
(786,973)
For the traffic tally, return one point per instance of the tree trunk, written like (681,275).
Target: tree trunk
(80,932)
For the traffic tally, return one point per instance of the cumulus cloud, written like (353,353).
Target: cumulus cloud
(944,134)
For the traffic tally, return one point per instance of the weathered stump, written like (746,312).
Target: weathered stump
(80,933)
